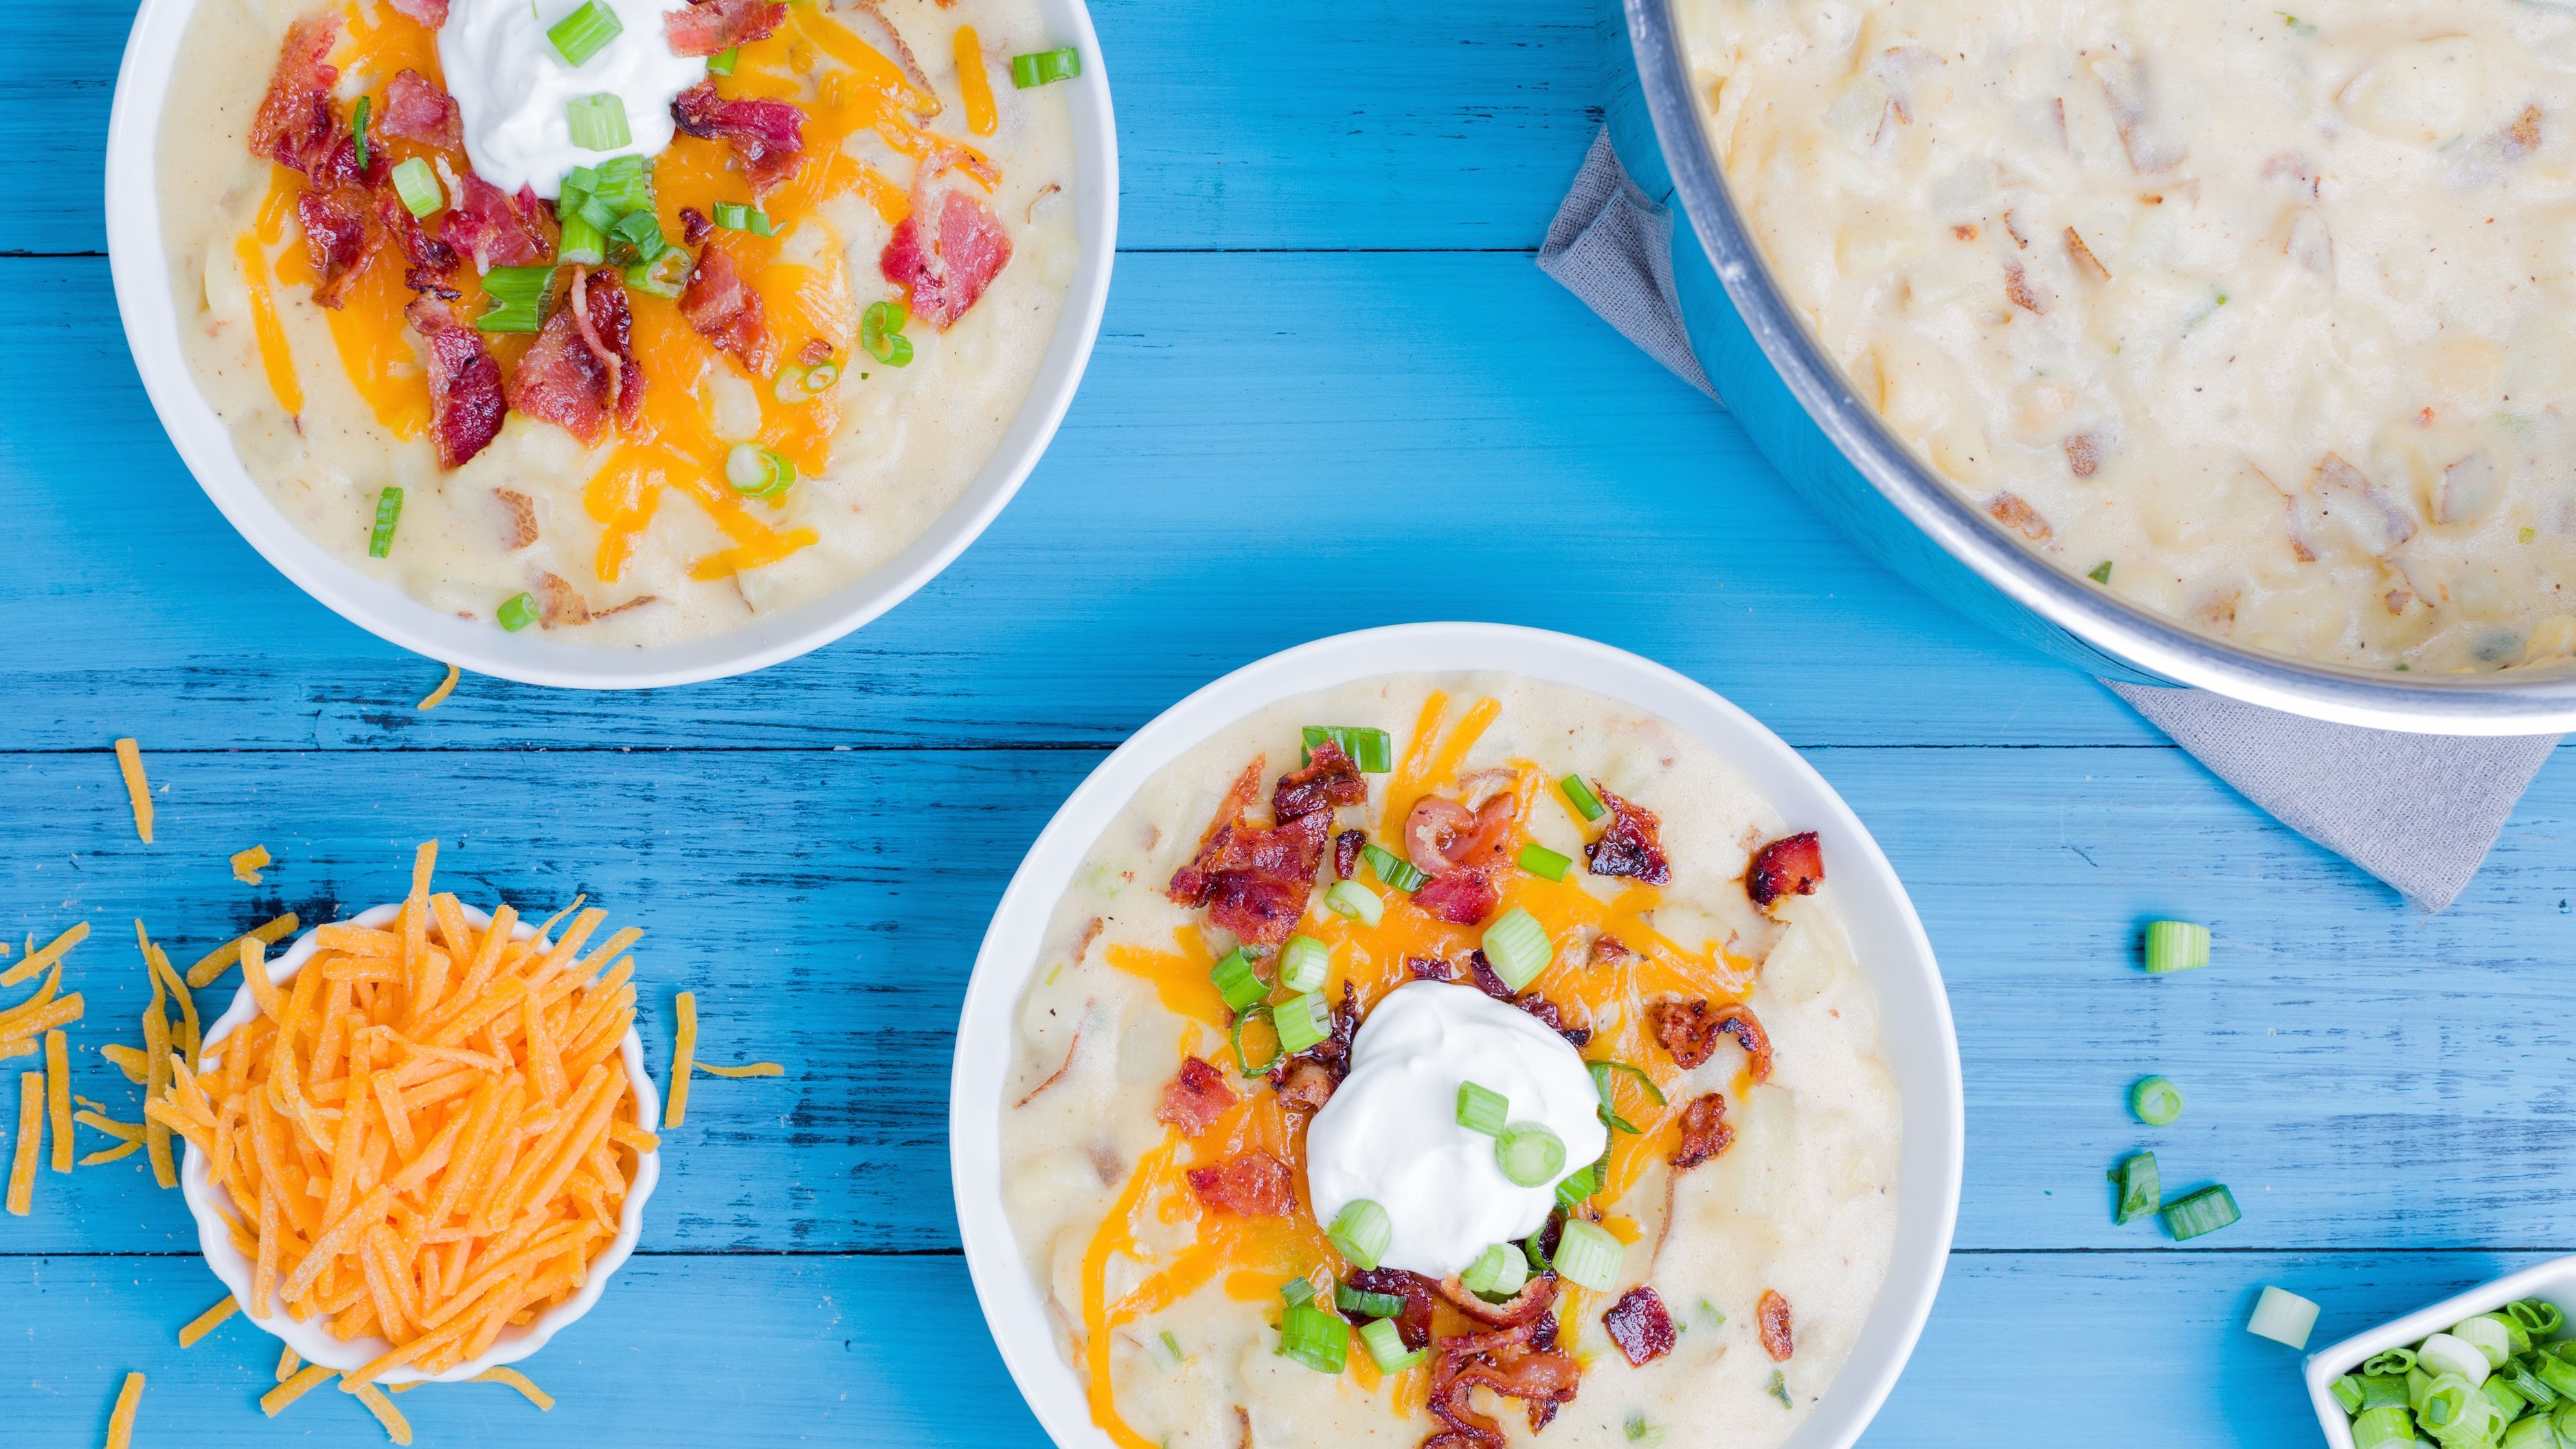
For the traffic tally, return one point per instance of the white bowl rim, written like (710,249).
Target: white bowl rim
(1935,1124)
(2335,1360)
(311,1340)
(140,271)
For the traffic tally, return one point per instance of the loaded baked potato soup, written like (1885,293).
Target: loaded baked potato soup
(631,319)
(2259,317)
(1448,1061)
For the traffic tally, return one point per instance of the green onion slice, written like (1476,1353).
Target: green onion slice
(1045,67)
(2284,1317)
(1778,1388)
(2525,1382)
(579,36)
(1602,1073)
(1482,1109)
(583,245)
(1392,868)
(598,122)
(1518,948)
(2397,1361)
(2205,1211)
(1237,982)
(758,471)
(641,230)
(1361,1231)
(517,613)
(1315,1338)
(1297,1290)
(1587,1256)
(2156,1101)
(2101,572)
(1385,1345)
(1578,1186)
(1302,1021)
(1580,795)
(666,275)
(721,63)
(2557,1373)
(1370,749)
(518,298)
(2140,1188)
(1529,1154)
(2376,1428)
(2347,1392)
(1497,1273)
(1303,964)
(1358,902)
(622,185)
(2538,1316)
(358,115)
(736,216)
(1365,1303)
(881,333)
(418,187)
(1538,860)
(380,539)
(1241,1063)
(2487,1334)
(2176,946)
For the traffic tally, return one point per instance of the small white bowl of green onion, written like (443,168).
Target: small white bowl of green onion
(2492,1366)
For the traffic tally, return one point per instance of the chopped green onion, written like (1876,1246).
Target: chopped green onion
(517,613)
(2176,946)
(418,187)
(1298,1290)
(2556,1372)
(1385,1345)
(1778,1388)
(1237,982)
(1604,1071)
(1361,1230)
(2205,1211)
(2156,1101)
(721,63)
(1045,67)
(1497,1273)
(2101,572)
(2380,1389)
(1350,898)
(1315,1338)
(1365,1303)
(2535,1432)
(2530,1385)
(1392,868)
(1641,1431)
(598,122)
(2140,1189)
(1578,1185)
(580,35)
(795,383)
(578,183)
(1304,963)
(1518,948)
(1581,797)
(1537,1255)
(881,333)
(1529,1154)
(2376,1428)
(380,539)
(1302,1022)
(2502,1395)
(1172,1347)
(358,115)
(2538,1316)
(2397,1361)
(583,245)
(2487,1334)
(2283,1317)
(757,471)
(622,185)
(1538,860)
(1482,1109)
(1241,1063)
(641,230)
(518,298)
(666,275)
(1368,748)
(2347,1392)
(735,216)
(1587,1256)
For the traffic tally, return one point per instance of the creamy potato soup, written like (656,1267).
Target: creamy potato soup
(1451,1060)
(635,320)
(2257,316)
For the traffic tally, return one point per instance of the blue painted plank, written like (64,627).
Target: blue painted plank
(1346,441)
(1335,125)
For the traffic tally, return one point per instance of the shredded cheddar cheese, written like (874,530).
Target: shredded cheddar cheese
(37,960)
(248,863)
(446,687)
(206,1322)
(58,1097)
(519,1381)
(31,1128)
(975,83)
(138,792)
(120,1420)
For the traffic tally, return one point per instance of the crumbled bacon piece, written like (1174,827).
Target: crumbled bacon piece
(721,305)
(297,125)
(710,27)
(336,238)
(1640,1326)
(1704,1132)
(1481,973)
(432,13)
(1420,1295)
(1523,1307)
(1346,853)
(1442,835)
(1607,950)
(766,136)
(1328,779)
(1689,1030)
(1554,1016)
(1333,1053)
(1793,865)
(466,404)
(947,270)
(1196,1097)
(1772,1311)
(1252,1184)
(420,109)
(1304,1084)
(1432,968)
(581,370)
(1506,1361)
(432,262)
(1631,845)
(2014,512)
(495,228)
(1462,897)
(694,226)
(1253,881)
(815,352)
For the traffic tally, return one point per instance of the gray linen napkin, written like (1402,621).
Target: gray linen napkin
(2418,811)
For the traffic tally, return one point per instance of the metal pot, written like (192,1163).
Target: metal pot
(1833,449)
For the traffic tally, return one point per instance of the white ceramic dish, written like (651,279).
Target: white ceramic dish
(315,1342)
(2554,1281)
(137,261)
(1888,939)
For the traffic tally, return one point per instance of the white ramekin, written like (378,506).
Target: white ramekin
(141,271)
(2554,1281)
(314,1341)
(1888,939)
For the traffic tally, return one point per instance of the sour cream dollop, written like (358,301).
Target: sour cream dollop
(512,86)
(1390,1133)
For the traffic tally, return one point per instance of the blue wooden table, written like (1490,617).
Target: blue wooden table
(1332,391)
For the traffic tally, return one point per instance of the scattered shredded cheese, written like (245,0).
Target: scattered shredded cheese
(38,960)
(120,1422)
(247,864)
(747,1069)
(220,960)
(294,1387)
(58,1096)
(519,1381)
(684,1046)
(397,1427)
(288,1361)
(445,687)
(31,1127)
(206,1322)
(138,792)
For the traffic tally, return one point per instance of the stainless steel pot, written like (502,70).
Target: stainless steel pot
(1833,449)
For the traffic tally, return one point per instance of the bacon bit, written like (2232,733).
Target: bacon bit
(768,137)
(2017,287)
(2009,510)
(420,109)
(1777,1339)
(1328,779)
(1462,897)
(1629,847)
(1346,853)
(1195,1098)
(1303,1084)
(1791,865)
(297,125)
(2084,258)
(726,311)
(2083,456)
(1333,1053)
(1640,1326)
(1420,1295)
(1705,1133)
(1481,972)
(559,602)
(582,368)
(1508,1362)
(815,352)
(1553,1016)
(432,13)
(1685,1029)
(598,302)
(466,403)
(1523,1307)
(432,261)
(1431,968)
(523,517)
(947,272)
(335,238)
(1252,1184)
(494,228)
(1607,950)
(2523,136)
(1254,882)
(1966,231)
(694,226)
(1441,836)
(710,27)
